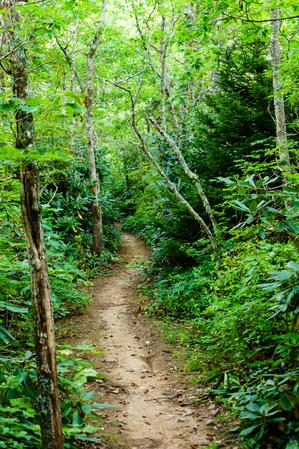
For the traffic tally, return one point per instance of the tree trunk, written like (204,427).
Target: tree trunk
(191,175)
(96,209)
(169,184)
(97,220)
(163,58)
(74,34)
(184,202)
(280,119)
(45,350)
(91,139)
(47,384)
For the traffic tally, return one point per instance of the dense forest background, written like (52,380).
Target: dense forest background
(180,120)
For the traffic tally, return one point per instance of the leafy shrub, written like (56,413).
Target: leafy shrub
(181,295)
(237,323)
(18,416)
(269,408)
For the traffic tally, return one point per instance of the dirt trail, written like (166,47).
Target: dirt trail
(142,381)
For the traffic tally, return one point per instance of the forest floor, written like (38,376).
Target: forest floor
(153,405)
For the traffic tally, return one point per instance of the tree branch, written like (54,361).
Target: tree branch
(277,19)
(69,61)
(161,172)
(188,172)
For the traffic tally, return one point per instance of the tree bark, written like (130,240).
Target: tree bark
(97,219)
(163,58)
(91,139)
(74,33)
(280,118)
(45,350)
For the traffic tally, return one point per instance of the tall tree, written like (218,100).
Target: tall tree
(45,350)
(88,92)
(91,137)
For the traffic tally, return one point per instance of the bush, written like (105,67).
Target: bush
(18,415)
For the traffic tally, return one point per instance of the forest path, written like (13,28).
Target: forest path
(151,407)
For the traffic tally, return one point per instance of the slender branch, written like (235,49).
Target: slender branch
(5,69)
(17,47)
(146,45)
(92,137)
(34,3)
(277,19)
(124,80)
(163,59)
(161,76)
(52,197)
(161,172)
(69,61)
(191,175)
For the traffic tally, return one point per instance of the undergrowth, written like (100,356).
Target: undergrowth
(18,415)
(232,338)
(71,264)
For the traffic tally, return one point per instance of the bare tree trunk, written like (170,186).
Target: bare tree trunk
(169,184)
(73,74)
(183,201)
(47,384)
(96,209)
(163,56)
(191,175)
(97,225)
(91,139)
(280,119)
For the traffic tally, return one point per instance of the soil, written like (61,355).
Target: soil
(152,405)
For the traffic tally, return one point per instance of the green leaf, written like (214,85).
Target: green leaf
(227,181)
(268,286)
(282,275)
(292,227)
(250,415)
(285,403)
(5,335)
(9,153)
(262,234)
(85,374)
(86,408)
(249,430)
(12,307)
(75,107)
(77,420)
(293,265)
(102,406)
(240,206)
(28,108)
(293,444)
(10,106)
(253,407)
(250,181)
